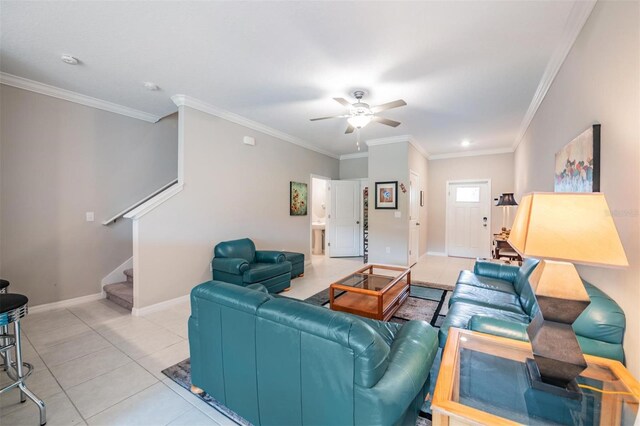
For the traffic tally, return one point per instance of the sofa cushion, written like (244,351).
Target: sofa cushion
(522,276)
(485,297)
(242,249)
(469,278)
(370,350)
(461,312)
(262,271)
(602,320)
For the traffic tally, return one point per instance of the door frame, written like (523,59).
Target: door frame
(418,189)
(448,208)
(310,214)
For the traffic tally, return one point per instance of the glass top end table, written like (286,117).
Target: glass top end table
(483,380)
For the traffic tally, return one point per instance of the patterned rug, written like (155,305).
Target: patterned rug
(426,302)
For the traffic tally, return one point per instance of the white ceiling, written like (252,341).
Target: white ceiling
(468,70)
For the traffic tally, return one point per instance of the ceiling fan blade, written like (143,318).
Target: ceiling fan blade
(388,105)
(386,121)
(326,118)
(343,101)
(350,129)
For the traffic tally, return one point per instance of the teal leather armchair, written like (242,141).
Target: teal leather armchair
(497,299)
(280,361)
(238,262)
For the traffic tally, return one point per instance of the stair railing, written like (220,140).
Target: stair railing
(139,203)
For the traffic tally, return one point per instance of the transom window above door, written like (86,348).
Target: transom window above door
(468,194)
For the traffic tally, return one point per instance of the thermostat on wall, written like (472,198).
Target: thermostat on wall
(248,140)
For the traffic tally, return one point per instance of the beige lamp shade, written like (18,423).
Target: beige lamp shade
(574,227)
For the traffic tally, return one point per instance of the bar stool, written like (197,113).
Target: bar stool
(13,307)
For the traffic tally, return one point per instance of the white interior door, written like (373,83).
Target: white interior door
(344,219)
(468,220)
(414,217)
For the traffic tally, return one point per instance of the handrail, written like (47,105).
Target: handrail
(139,203)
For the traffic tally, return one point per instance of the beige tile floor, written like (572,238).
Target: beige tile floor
(96,364)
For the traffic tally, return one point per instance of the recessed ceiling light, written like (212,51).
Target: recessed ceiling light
(68,59)
(150,86)
(465,143)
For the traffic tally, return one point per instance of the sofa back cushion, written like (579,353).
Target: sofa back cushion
(238,249)
(321,327)
(523,287)
(603,319)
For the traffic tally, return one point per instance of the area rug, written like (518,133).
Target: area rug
(426,302)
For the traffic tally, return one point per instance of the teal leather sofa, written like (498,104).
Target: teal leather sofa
(497,299)
(238,262)
(280,361)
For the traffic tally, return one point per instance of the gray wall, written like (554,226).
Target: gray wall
(599,82)
(231,191)
(60,160)
(498,168)
(389,163)
(354,168)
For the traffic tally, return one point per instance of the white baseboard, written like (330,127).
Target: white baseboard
(117,275)
(436,253)
(66,303)
(138,312)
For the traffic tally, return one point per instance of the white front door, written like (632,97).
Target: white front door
(468,220)
(414,217)
(344,219)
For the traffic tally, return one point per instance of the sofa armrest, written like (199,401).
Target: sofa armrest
(412,353)
(258,287)
(499,327)
(269,256)
(495,270)
(230,265)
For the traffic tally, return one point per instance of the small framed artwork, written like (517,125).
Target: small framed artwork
(387,195)
(421,198)
(297,199)
(578,163)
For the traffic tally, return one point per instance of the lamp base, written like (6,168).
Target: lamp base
(572,390)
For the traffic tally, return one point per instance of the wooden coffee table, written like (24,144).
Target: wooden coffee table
(371,295)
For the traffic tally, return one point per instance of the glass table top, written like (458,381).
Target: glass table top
(490,375)
(366,281)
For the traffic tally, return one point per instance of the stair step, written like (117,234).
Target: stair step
(129,274)
(121,294)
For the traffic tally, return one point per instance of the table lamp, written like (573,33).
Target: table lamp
(561,228)
(507,199)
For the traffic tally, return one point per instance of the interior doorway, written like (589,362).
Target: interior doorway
(414,217)
(344,227)
(319,213)
(468,218)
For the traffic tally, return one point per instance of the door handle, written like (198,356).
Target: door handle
(417,223)
(357,222)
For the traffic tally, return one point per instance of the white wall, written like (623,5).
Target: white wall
(498,168)
(599,82)
(354,168)
(60,160)
(230,191)
(389,163)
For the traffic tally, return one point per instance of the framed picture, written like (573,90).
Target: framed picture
(387,195)
(578,163)
(297,199)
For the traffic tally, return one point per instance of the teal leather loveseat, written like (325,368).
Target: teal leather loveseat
(238,262)
(497,299)
(279,361)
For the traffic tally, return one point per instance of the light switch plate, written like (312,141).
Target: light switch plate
(89,216)
(397,215)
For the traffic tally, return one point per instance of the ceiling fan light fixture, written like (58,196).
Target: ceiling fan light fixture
(359,121)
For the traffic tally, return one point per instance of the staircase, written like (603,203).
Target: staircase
(122,293)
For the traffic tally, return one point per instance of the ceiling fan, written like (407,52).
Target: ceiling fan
(360,114)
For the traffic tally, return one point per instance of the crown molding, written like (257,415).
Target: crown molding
(471,153)
(399,139)
(188,101)
(354,155)
(68,95)
(578,16)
